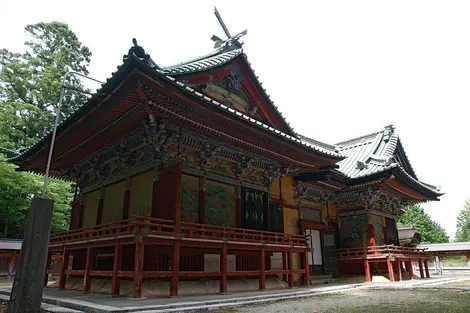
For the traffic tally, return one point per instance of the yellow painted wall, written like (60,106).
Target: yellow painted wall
(141,194)
(113,202)
(331,210)
(90,209)
(287,189)
(275,191)
(291,226)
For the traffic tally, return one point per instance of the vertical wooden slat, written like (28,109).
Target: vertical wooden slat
(138,267)
(421,271)
(238,219)
(64,267)
(291,268)
(367,270)
(398,265)
(262,265)
(88,265)
(115,283)
(426,268)
(284,266)
(223,269)
(175,264)
(391,275)
(307,269)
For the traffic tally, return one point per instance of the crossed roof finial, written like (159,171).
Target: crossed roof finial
(226,43)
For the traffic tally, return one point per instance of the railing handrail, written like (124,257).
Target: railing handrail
(379,250)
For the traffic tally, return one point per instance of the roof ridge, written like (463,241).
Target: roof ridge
(340,144)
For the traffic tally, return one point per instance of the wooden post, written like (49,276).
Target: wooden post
(284,265)
(291,268)
(202,200)
(426,268)
(409,268)
(155,197)
(115,283)
(391,275)
(370,230)
(421,272)
(398,263)
(238,220)
(99,214)
(175,264)
(48,267)
(262,269)
(138,267)
(223,269)
(64,267)
(11,266)
(384,229)
(88,265)
(127,200)
(80,217)
(307,269)
(367,270)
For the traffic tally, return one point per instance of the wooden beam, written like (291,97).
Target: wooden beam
(291,268)
(409,268)
(421,271)
(175,264)
(398,266)
(223,269)
(115,283)
(391,275)
(88,265)
(138,267)
(64,267)
(367,270)
(262,268)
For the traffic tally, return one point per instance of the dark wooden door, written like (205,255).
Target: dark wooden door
(254,209)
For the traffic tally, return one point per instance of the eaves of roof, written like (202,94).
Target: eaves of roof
(151,68)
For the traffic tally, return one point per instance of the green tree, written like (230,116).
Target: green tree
(463,224)
(16,191)
(30,84)
(30,81)
(430,231)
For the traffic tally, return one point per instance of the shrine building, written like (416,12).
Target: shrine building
(189,175)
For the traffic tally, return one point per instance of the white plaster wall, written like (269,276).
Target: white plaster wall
(212,263)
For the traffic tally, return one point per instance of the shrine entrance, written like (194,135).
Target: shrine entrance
(315,257)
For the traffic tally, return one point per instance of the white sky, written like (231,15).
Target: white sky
(335,69)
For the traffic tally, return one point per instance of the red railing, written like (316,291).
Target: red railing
(372,252)
(147,226)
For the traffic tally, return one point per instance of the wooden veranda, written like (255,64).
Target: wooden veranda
(157,244)
(397,259)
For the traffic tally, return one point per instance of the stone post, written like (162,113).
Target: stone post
(26,293)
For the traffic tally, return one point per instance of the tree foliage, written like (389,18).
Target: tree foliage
(30,83)
(463,224)
(430,231)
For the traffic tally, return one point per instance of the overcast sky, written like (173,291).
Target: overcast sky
(335,69)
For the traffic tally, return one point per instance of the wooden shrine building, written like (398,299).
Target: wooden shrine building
(190,172)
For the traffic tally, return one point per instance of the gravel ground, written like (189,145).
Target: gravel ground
(438,300)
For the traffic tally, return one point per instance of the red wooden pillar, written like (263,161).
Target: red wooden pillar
(409,268)
(175,264)
(223,269)
(80,216)
(88,264)
(291,268)
(138,267)
(262,269)
(155,196)
(202,215)
(307,269)
(421,271)
(367,270)
(238,219)
(284,265)
(391,275)
(426,268)
(48,267)
(99,214)
(75,215)
(115,283)
(127,200)
(370,230)
(64,267)
(398,263)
